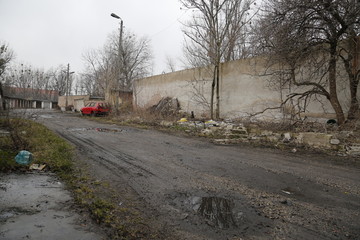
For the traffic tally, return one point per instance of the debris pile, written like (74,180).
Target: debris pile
(228,132)
(166,107)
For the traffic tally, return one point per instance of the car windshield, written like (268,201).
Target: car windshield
(90,104)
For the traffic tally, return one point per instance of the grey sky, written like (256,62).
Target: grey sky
(46,33)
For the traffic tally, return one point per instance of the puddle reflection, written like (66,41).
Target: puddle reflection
(217,211)
(95,129)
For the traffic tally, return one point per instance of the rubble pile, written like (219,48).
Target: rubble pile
(228,132)
(166,107)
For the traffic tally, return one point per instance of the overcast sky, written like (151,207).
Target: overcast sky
(47,33)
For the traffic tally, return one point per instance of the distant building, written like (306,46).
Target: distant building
(76,102)
(30,98)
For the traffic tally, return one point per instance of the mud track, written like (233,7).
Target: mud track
(191,189)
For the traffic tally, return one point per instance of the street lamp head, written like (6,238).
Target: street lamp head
(115,16)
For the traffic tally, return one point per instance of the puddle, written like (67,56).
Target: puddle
(6,215)
(47,116)
(107,130)
(114,130)
(35,207)
(14,211)
(217,211)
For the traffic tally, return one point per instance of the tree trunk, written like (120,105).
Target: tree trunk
(212,94)
(332,88)
(354,103)
(354,79)
(3,103)
(217,91)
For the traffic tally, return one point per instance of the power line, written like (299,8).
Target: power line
(171,24)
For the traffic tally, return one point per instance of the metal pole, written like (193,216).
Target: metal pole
(120,67)
(67,85)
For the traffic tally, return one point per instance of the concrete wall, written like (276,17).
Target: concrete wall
(244,89)
(72,100)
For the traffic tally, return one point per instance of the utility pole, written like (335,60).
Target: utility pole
(67,84)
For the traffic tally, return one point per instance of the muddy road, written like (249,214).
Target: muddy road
(193,189)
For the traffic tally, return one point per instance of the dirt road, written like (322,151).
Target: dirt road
(192,189)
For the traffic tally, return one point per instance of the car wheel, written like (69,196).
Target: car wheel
(93,114)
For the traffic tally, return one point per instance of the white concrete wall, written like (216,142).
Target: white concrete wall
(244,90)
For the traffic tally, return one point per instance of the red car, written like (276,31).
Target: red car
(95,108)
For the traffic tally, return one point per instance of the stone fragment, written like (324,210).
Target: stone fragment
(353,149)
(287,137)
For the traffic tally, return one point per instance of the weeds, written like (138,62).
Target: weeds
(46,147)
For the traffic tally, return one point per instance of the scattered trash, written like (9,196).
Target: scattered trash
(335,141)
(39,167)
(287,192)
(4,133)
(294,150)
(287,137)
(183,120)
(24,157)
(331,122)
(211,123)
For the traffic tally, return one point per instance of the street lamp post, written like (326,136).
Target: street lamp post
(121,32)
(120,58)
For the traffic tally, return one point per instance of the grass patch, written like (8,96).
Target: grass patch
(46,147)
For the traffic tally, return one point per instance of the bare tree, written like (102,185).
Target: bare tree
(27,76)
(6,55)
(100,71)
(170,64)
(135,60)
(309,39)
(213,36)
(105,69)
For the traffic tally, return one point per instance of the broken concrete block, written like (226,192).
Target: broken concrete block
(353,149)
(266,133)
(239,131)
(335,141)
(166,123)
(206,132)
(272,138)
(235,136)
(287,137)
(317,140)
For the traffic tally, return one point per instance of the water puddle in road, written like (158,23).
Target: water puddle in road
(114,130)
(14,211)
(46,116)
(217,211)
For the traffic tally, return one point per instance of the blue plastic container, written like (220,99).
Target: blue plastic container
(24,157)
